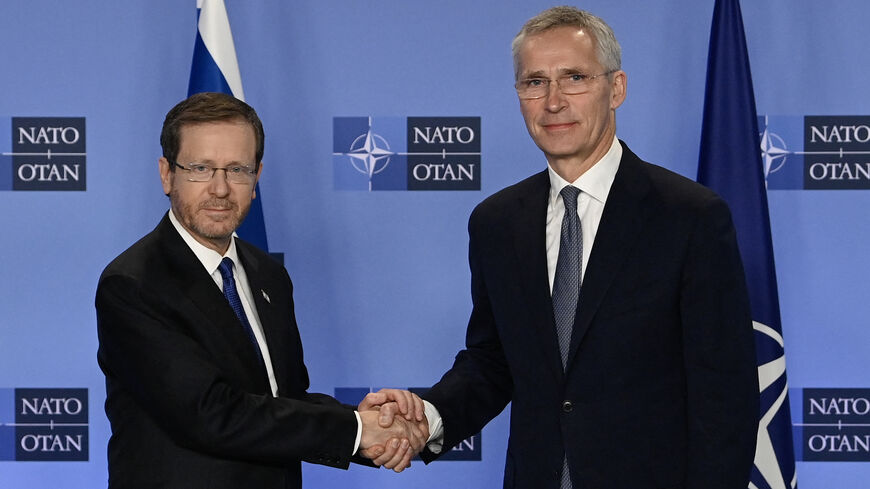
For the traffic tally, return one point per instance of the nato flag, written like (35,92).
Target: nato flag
(730,163)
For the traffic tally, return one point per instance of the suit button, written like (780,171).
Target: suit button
(567,406)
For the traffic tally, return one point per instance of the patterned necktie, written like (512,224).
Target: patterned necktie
(232,295)
(566,283)
(566,287)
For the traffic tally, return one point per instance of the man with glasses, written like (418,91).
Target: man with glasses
(205,383)
(609,303)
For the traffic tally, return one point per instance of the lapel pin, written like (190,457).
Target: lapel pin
(266,296)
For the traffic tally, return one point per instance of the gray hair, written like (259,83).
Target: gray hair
(607,48)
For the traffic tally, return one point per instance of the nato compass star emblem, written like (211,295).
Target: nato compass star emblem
(773,151)
(369,153)
(423,153)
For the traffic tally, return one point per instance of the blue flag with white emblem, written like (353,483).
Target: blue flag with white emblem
(730,164)
(215,69)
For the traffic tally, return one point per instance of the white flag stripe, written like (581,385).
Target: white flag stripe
(763,328)
(214,28)
(770,372)
(765,455)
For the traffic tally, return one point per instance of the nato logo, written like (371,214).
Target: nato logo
(835,425)
(467,450)
(816,152)
(46,153)
(406,153)
(44,424)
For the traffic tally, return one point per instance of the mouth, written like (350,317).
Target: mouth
(558,126)
(216,209)
(216,214)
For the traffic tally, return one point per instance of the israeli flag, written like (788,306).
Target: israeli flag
(730,163)
(216,69)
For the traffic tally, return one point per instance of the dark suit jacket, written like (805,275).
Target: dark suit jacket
(188,400)
(660,389)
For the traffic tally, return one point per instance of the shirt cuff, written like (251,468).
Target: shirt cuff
(436,428)
(358,433)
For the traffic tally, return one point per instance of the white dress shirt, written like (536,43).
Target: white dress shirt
(594,187)
(210,259)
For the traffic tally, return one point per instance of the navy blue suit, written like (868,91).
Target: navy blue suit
(660,388)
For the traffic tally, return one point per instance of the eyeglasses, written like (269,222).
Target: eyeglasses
(573,84)
(235,173)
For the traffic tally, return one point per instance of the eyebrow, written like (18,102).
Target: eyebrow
(211,163)
(559,72)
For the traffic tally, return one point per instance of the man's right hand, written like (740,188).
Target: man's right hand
(392,445)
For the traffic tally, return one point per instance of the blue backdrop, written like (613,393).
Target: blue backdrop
(381,277)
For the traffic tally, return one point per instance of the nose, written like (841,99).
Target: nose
(555,99)
(218,185)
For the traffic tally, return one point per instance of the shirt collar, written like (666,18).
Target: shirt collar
(209,258)
(596,181)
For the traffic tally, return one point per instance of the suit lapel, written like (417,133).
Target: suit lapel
(189,276)
(262,293)
(621,223)
(530,242)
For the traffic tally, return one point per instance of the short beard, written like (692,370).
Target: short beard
(187,216)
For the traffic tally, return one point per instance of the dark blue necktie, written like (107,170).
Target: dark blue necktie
(566,286)
(232,295)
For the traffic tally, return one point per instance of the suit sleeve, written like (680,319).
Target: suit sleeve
(722,381)
(153,358)
(479,385)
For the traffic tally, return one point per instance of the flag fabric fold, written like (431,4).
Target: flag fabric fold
(215,68)
(730,164)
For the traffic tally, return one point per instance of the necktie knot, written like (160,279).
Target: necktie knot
(569,197)
(226,268)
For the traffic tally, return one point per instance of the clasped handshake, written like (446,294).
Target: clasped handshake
(394,428)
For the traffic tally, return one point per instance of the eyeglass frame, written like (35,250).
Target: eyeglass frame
(588,78)
(249,171)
